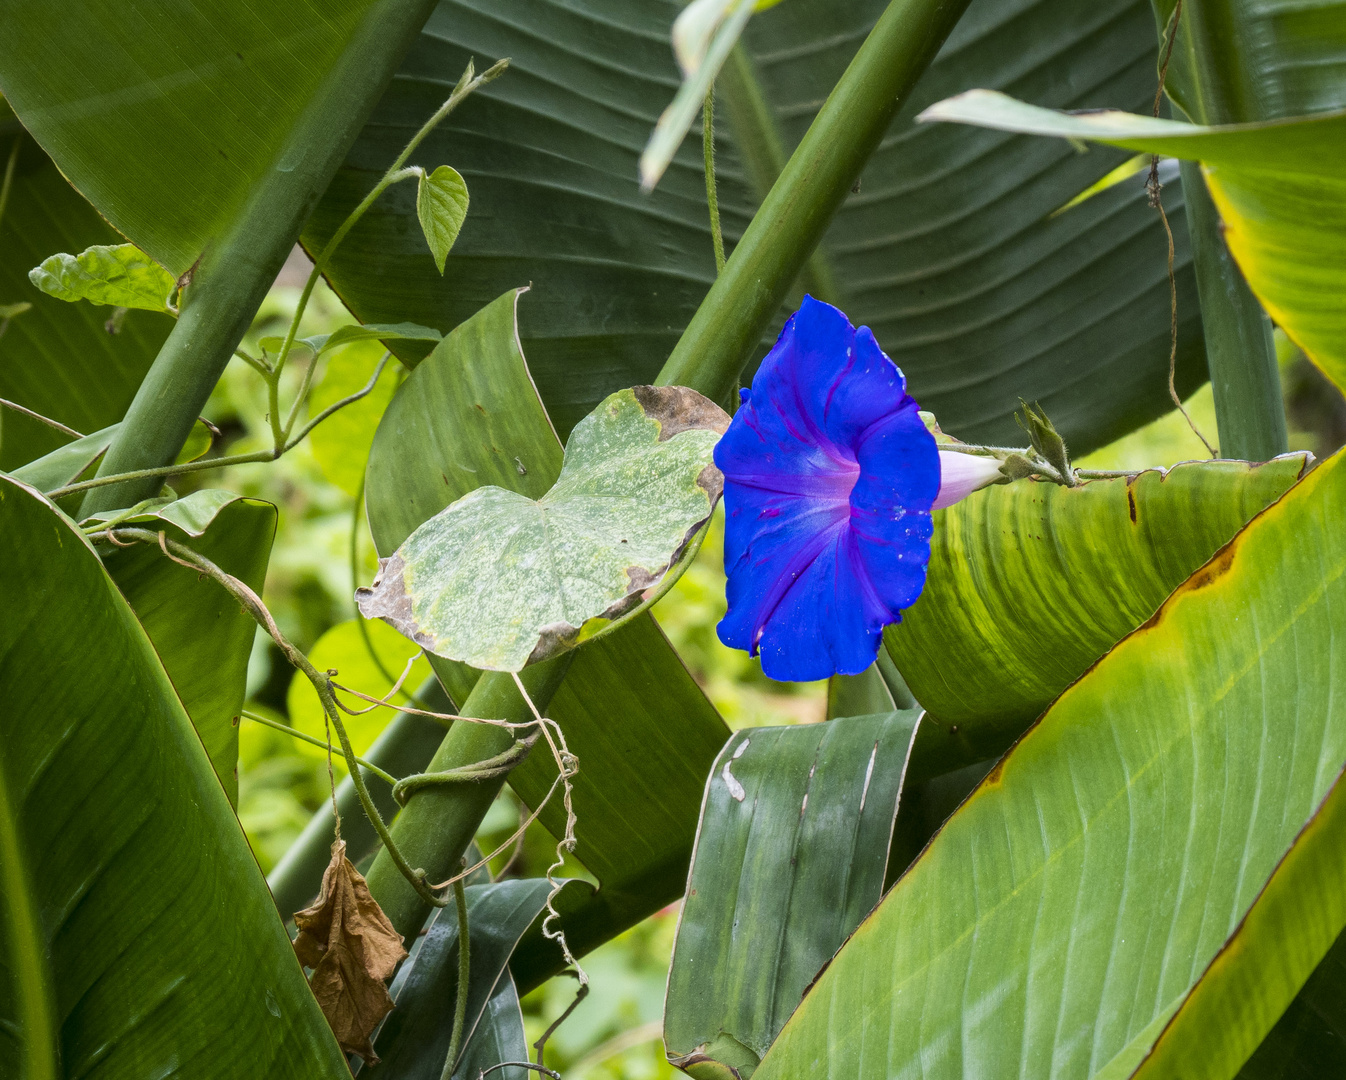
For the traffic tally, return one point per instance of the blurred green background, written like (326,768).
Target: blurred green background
(323,550)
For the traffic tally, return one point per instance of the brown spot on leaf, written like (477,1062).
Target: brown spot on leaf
(1215,569)
(352,948)
(993,777)
(552,639)
(387,599)
(678,409)
(711,481)
(1131,502)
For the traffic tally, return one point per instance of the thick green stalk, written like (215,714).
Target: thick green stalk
(404,747)
(1240,351)
(761,148)
(802,202)
(233,276)
(438,823)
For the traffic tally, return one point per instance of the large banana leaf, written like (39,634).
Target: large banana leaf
(1031,582)
(949,250)
(1162,852)
(467,416)
(138,936)
(790,856)
(57,358)
(166,115)
(201,633)
(1280,188)
(1238,61)
(1309,1040)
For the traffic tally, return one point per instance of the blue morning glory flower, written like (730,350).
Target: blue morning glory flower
(830,478)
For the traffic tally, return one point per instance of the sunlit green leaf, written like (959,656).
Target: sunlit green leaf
(441,206)
(122,276)
(1031,582)
(498,579)
(341,442)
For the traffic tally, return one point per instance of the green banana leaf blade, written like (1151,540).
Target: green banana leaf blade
(1031,582)
(1280,187)
(790,856)
(1067,912)
(139,938)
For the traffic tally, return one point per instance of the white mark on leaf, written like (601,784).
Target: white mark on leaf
(730,780)
(869,773)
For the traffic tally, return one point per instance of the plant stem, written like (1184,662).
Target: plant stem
(712,199)
(1240,350)
(802,202)
(257,718)
(394,174)
(438,824)
(234,459)
(405,746)
(464,972)
(761,148)
(234,275)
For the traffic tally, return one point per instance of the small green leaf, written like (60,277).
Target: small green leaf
(403,331)
(498,580)
(120,275)
(198,443)
(441,204)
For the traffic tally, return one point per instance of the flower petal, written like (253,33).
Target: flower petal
(829,477)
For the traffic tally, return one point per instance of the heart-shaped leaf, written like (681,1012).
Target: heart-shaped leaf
(498,579)
(441,206)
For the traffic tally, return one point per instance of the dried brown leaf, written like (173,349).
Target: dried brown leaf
(352,948)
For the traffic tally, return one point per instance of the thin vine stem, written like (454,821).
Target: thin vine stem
(232,459)
(464,972)
(323,684)
(252,603)
(712,198)
(257,718)
(394,174)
